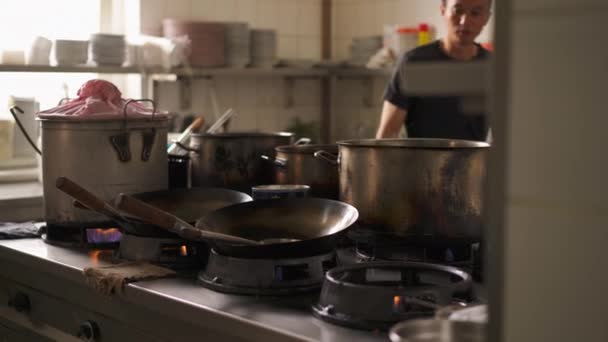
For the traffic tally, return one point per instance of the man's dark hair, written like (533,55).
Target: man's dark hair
(445,1)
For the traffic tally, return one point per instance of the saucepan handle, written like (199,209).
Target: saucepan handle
(186,148)
(282,163)
(328,157)
(302,141)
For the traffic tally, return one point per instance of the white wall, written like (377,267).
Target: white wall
(556,228)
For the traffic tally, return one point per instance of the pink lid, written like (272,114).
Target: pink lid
(98,100)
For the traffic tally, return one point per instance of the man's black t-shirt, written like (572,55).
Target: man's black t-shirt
(435,117)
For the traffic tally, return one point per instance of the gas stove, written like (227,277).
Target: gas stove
(169,251)
(102,235)
(52,277)
(275,277)
(377,295)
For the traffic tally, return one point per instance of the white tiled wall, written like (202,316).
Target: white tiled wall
(556,230)
(260,103)
(298,22)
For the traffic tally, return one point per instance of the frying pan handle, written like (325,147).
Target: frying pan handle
(328,157)
(276,161)
(145,211)
(81,194)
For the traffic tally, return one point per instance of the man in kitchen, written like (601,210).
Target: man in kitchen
(439,117)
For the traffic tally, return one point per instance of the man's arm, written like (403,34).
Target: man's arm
(391,121)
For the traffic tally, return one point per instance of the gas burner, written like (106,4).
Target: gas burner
(373,246)
(171,252)
(457,256)
(265,276)
(374,296)
(104,235)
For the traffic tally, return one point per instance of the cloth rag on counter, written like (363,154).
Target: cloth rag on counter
(21,230)
(111,279)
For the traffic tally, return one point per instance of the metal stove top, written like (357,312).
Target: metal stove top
(235,317)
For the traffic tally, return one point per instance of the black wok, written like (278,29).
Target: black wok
(190,204)
(294,228)
(187,204)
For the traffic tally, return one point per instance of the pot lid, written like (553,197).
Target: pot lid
(101,100)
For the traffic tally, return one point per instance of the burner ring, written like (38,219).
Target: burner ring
(463,285)
(376,295)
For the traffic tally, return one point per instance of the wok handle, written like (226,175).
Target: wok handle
(328,157)
(81,194)
(169,222)
(145,211)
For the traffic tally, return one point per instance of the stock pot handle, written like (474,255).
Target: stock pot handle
(328,157)
(302,141)
(120,141)
(276,161)
(14,109)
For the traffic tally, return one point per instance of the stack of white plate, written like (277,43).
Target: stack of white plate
(363,48)
(71,52)
(108,49)
(263,48)
(238,53)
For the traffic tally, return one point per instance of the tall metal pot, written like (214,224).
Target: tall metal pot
(106,157)
(420,189)
(233,160)
(296,164)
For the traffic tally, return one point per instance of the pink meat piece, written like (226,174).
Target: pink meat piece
(97,98)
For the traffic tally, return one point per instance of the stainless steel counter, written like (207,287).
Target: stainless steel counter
(165,309)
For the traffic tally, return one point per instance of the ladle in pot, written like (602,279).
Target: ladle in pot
(165,220)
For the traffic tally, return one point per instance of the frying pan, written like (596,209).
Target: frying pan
(300,226)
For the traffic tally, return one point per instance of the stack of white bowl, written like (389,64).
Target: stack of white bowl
(108,49)
(71,52)
(39,51)
(238,45)
(263,48)
(364,48)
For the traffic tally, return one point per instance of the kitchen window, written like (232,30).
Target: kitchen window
(21,22)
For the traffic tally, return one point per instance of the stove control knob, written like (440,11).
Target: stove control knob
(20,302)
(88,331)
